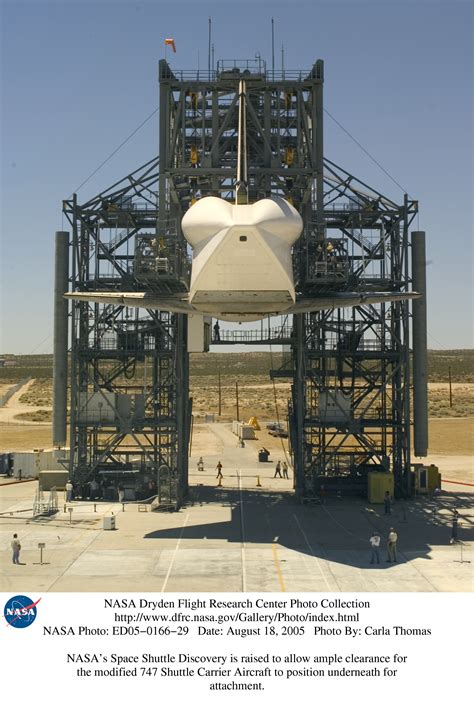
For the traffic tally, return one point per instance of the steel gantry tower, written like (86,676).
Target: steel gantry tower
(130,409)
(350,405)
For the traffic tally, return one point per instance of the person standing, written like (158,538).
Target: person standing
(69,490)
(200,464)
(93,488)
(454,528)
(375,548)
(16,547)
(217,332)
(392,545)
(285,470)
(219,470)
(277,470)
(121,494)
(388,503)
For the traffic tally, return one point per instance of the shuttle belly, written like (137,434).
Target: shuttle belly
(242,265)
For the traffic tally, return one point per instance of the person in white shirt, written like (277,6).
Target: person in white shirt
(375,548)
(16,546)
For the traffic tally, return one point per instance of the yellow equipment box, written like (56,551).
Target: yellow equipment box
(427,478)
(378,483)
(434,477)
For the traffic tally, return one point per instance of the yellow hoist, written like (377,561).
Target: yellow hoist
(194,155)
(289,156)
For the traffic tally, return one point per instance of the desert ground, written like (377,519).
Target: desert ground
(246,533)
(25,419)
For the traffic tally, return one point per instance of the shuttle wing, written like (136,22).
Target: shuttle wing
(150,301)
(179,303)
(346,300)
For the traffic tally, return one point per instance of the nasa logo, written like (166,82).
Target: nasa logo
(20,611)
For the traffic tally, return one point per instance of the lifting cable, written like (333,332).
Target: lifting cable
(132,134)
(404,190)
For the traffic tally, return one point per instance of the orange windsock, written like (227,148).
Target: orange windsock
(170,42)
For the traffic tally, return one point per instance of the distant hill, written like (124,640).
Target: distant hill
(461,362)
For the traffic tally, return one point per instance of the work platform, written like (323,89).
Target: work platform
(264,336)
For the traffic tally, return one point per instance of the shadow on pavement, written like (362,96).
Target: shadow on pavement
(339,530)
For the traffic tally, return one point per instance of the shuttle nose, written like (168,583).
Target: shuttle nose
(211,215)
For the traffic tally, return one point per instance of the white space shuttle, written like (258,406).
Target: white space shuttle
(242,267)
(242,264)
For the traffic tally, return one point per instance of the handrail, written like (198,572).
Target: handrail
(269,335)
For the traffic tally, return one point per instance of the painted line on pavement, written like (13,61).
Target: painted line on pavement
(174,554)
(312,553)
(278,568)
(242,531)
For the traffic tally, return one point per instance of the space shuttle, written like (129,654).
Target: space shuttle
(242,267)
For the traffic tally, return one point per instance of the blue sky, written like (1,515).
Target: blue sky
(77,78)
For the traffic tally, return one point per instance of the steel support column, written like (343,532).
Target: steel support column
(420,346)
(60,357)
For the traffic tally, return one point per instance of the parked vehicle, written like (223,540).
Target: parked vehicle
(274,426)
(278,433)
